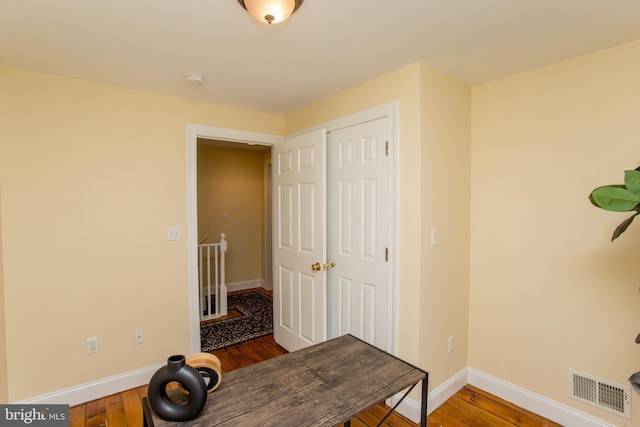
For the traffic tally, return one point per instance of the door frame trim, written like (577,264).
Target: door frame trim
(388,110)
(207,132)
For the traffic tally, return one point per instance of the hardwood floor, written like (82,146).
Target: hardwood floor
(470,407)
(477,408)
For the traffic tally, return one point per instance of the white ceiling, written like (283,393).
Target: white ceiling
(326,47)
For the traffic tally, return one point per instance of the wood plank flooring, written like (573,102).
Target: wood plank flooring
(470,407)
(474,407)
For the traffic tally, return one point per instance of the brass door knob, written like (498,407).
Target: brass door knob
(326,265)
(316,266)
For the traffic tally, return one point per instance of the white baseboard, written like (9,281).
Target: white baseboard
(96,389)
(408,407)
(411,408)
(533,402)
(246,284)
(440,394)
(540,405)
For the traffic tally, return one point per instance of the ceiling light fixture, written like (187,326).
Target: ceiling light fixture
(270,11)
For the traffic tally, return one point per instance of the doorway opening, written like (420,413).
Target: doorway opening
(233,204)
(223,136)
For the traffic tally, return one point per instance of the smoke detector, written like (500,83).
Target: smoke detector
(194,79)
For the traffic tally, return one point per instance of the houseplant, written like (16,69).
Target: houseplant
(622,198)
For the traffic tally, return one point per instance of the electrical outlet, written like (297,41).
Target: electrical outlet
(138,336)
(92,345)
(434,237)
(452,341)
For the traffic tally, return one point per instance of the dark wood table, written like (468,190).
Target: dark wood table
(326,384)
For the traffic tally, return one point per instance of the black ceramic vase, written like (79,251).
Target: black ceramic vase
(177,405)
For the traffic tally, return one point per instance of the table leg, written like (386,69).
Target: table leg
(423,406)
(147,419)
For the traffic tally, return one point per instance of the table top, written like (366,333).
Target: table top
(323,385)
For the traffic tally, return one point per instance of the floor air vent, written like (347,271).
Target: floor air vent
(611,397)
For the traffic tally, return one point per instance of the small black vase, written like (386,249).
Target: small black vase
(176,405)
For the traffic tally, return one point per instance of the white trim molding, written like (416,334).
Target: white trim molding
(96,389)
(519,396)
(408,407)
(533,402)
(440,394)
(245,284)
(208,132)
(411,408)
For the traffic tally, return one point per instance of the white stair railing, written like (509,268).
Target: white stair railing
(217,289)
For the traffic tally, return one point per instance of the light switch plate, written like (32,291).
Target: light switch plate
(174,233)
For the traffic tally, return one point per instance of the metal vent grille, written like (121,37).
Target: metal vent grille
(611,397)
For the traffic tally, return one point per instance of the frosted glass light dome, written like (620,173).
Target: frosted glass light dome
(270,11)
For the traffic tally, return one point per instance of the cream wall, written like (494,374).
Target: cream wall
(549,291)
(446,170)
(91,177)
(73,150)
(433,191)
(232,181)
(4,382)
(545,289)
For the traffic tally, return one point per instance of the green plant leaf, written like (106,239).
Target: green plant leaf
(613,198)
(593,202)
(632,181)
(623,227)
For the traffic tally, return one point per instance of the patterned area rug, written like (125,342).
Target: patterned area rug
(255,320)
